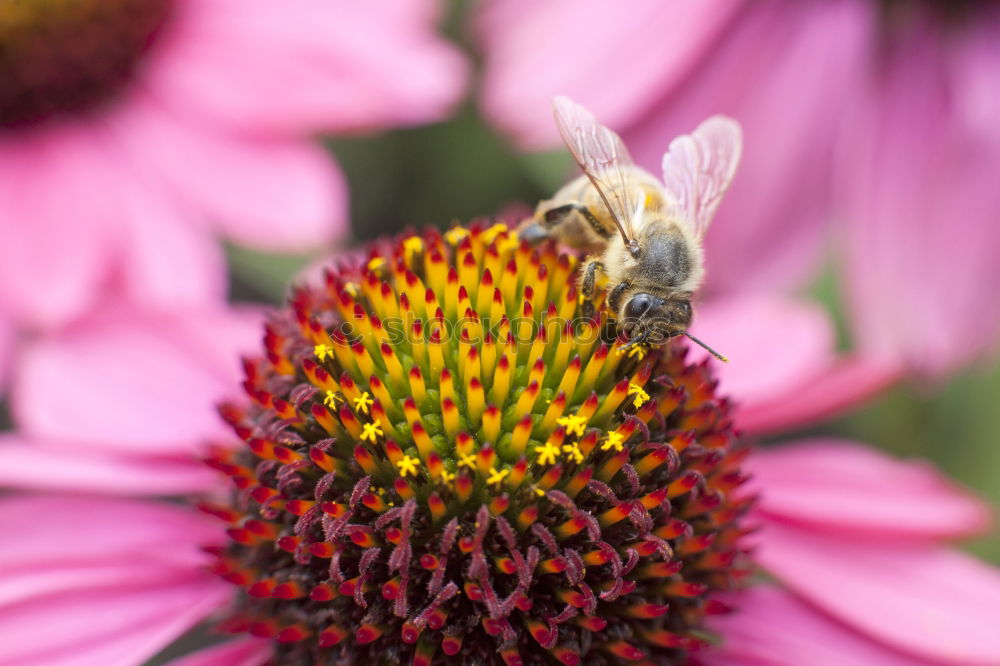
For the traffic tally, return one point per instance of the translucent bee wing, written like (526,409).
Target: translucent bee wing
(603,158)
(698,168)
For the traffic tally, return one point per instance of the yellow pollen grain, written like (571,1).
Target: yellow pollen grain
(497,476)
(372,431)
(634,350)
(412,245)
(507,244)
(363,402)
(641,397)
(322,352)
(539,492)
(455,235)
(408,465)
(331,399)
(574,452)
(447,477)
(376,263)
(614,441)
(547,453)
(574,424)
(467,460)
(490,234)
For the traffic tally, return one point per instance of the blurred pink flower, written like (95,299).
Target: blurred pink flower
(658,69)
(90,580)
(919,160)
(135,405)
(904,96)
(86,398)
(119,167)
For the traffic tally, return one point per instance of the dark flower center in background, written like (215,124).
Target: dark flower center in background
(440,461)
(955,12)
(69,56)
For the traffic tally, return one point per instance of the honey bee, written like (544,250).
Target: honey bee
(643,235)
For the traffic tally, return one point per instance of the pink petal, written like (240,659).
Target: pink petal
(783,369)
(849,382)
(273,193)
(929,601)
(616,64)
(106,625)
(98,581)
(774,345)
(55,222)
(39,528)
(907,163)
(155,239)
(96,222)
(842,487)
(772,628)
(134,382)
(72,468)
(251,652)
(33,582)
(310,65)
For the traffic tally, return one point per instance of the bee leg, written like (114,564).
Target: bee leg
(554,216)
(641,339)
(616,294)
(587,286)
(590,277)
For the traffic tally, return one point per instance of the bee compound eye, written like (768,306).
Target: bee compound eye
(638,305)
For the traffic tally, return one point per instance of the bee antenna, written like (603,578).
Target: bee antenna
(705,347)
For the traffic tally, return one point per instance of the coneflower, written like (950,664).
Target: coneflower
(442,458)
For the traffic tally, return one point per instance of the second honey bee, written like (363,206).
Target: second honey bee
(644,235)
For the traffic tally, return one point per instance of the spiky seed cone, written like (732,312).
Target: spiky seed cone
(441,461)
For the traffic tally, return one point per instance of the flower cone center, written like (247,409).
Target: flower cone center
(69,56)
(443,458)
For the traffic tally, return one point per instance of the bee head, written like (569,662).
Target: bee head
(654,319)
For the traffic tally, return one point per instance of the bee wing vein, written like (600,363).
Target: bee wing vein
(698,168)
(603,157)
